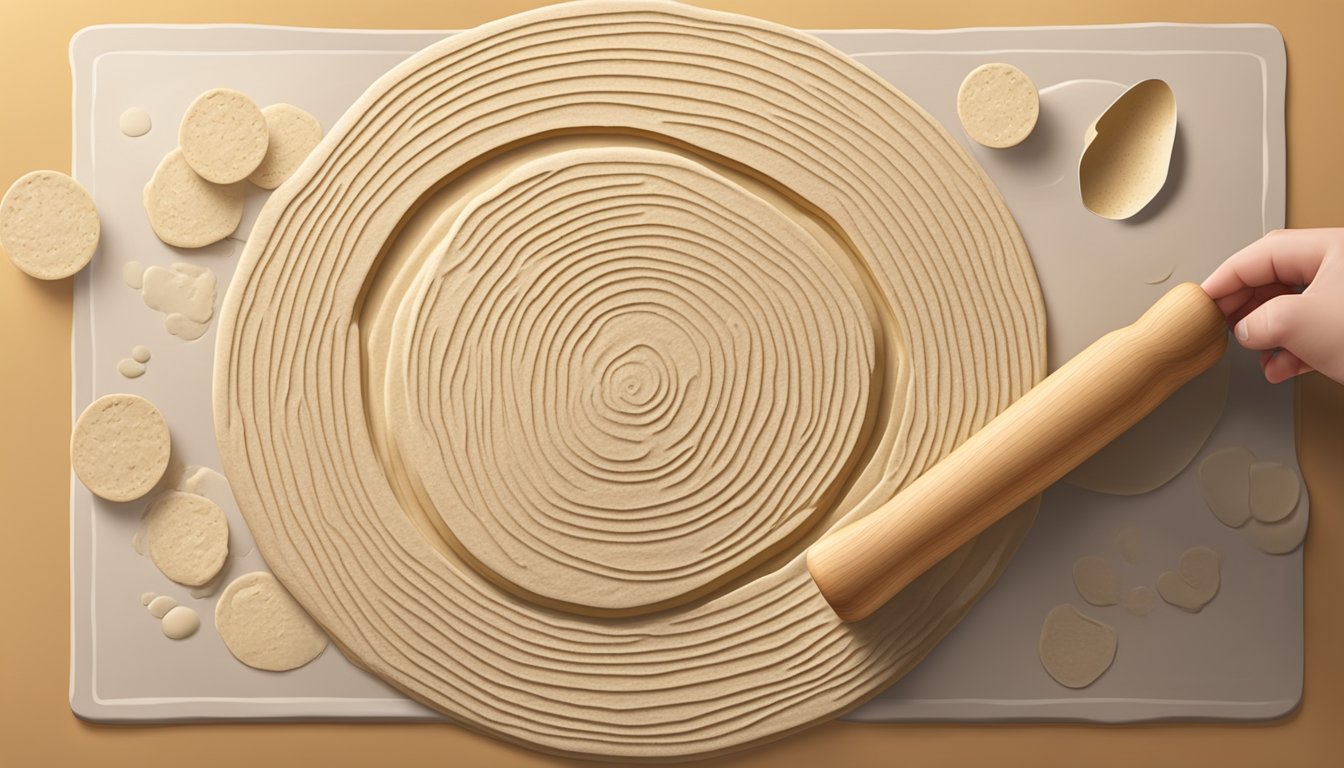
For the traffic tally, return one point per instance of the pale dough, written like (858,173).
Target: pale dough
(998,105)
(48,225)
(160,606)
(263,627)
(133,273)
(1225,479)
(1096,580)
(180,622)
(131,369)
(185,294)
(120,447)
(223,136)
(1075,649)
(1282,537)
(1139,601)
(146,598)
(188,537)
(187,211)
(1130,543)
(1128,151)
(140,353)
(135,122)
(293,134)
(1274,491)
(1194,583)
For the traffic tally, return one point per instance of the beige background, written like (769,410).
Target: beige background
(36,726)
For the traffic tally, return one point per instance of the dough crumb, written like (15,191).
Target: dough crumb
(1075,649)
(1096,580)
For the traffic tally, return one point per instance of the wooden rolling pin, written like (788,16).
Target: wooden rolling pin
(1053,428)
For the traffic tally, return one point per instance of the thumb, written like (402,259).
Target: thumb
(1276,323)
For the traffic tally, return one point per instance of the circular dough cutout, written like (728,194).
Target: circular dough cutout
(223,136)
(264,627)
(1075,649)
(188,537)
(293,134)
(48,225)
(187,211)
(998,105)
(120,447)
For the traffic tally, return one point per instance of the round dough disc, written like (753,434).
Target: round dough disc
(223,136)
(188,537)
(120,446)
(1075,649)
(187,211)
(293,134)
(263,627)
(48,225)
(998,105)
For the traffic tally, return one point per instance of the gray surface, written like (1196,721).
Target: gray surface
(1240,658)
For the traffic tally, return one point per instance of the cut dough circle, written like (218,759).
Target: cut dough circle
(120,446)
(49,225)
(1096,580)
(188,537)
(263,627)
(223,136)
(187,211)
(1274,491)
(293,135)
(1195,583)
(998,105)
(1282,537)
(1075,649)
(1224,479)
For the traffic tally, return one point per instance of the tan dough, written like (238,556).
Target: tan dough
(160,606)
(293,134)
(185,294)
(762,654)
(1282,537)
(223,136)
(1224,479)
(1075,649)
(187,211)
(1096,580)
(1130,543)
(120,447)
(48,225)
(1139,601)
(263,627)
(134,122)
(1195,583)
(188,537)
(998,105)
(1128,151)
(1274,491)
(180,622)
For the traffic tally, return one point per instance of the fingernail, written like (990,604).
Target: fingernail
(1242,332)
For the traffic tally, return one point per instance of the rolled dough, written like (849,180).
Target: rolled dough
(1282,537)
(48,225)
(293,134)
(1096,580)
(1075,649)
(998,105)
(1274,491)
(120,447)
(187,211)
(188,537)
(263,627)
(1225,480)
(223,136)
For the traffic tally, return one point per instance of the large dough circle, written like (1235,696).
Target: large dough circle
(926,317)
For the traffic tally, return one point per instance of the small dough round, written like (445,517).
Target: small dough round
(120,447)
(188,537)
(294,133)
(135,122)
(223,136)
(1075,649)
(180,622)
(1096,580)
(48,225)
(264,627)
(998,105)
(187,211)
(1274,491)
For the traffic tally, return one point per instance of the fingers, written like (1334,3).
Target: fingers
(1281,365)
(1289,257)
(1276,323)
(1241,303)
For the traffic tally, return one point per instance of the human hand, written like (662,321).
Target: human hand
(1260,289)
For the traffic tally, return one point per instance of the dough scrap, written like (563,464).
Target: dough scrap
(1128,152)
(48,225)
(120,447)
(180,622)
(1224,479)
(1139,601)
(185,294)
(188,537)
(264,627)
(160,606)
(223,136)
(293,135)
(1196,581)
(135,122)
(187,211)
(1075,649)
(1274,491)
(1282,537)
(1096,580)
(1130,543)
(998,105)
